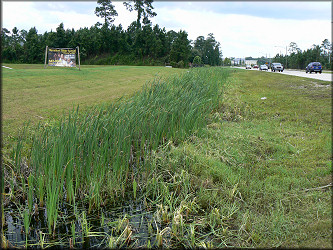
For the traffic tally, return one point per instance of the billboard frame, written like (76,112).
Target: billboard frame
(77,51)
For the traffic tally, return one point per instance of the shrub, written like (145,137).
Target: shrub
(180,64)
(173,64)
(196,61)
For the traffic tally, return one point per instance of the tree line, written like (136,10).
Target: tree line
(140,44)
(298,59)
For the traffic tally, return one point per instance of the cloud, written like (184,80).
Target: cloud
(300,10)
(81,7)
(18,14)
(47,16)
(242,28)
(125,18)
(245,35)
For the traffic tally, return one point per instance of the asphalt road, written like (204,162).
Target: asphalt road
(322,76)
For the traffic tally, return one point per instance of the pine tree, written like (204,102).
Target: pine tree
(144,9)
(106,11)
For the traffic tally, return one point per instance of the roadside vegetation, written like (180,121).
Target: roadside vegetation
(32,93)
(209,157)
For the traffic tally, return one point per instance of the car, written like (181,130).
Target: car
(255,66)
(263,67)
(276,67)
(314,67)
(248,67)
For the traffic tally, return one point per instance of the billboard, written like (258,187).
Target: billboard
(62,57)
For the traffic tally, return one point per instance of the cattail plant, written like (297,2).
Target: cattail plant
(95,155)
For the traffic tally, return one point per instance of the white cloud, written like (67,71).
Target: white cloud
(244,35)
(19,14)
(240,35)
(47,16)
(125,18)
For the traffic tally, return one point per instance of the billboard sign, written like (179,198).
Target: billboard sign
(62,57)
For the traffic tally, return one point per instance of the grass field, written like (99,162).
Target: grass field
(272,150)
(30,92)
(258,174)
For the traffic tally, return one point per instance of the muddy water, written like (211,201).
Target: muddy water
(137,214)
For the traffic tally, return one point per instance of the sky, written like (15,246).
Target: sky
(243,28)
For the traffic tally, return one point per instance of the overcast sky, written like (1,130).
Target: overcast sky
(243,28)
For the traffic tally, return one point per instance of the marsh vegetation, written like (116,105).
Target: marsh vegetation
(196,159)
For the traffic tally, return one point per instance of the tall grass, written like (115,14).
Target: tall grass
(93,156)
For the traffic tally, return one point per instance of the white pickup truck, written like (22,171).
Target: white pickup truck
(276,67)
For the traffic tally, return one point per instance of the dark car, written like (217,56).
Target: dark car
(277,67)
(314,67)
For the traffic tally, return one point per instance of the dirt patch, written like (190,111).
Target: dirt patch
(313,85)
(316,85)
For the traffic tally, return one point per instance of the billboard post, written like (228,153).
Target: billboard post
(78,54)
(45,56)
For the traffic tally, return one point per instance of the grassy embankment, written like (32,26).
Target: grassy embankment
(248,178)
(32,93)
(262,166)
(95,156)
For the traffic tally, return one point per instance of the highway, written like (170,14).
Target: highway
(301,73)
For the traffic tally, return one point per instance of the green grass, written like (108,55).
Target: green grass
(100,149)
(241,172)
(250,168)
(30,92)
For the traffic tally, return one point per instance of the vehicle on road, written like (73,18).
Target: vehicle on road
(314,67)
(276,67)
(255,66)
(248,67)
(263,67)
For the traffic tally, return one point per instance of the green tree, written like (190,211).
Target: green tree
(227,62)
(33,52)
(326,48)
(16,43)
(180,48)
(106,10)
(208,49)
(197,61)
(199,46)
(6,52)
(144,9)
(60,36)
(4,37)
(293,48)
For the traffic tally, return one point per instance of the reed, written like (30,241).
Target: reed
(41,239)
(41,190)
(192,235)
(91,155)
(236,165)
(30,192)
(53,190)
(73,232)
(2,190)
(26,221)
(134,188)
(85,225)
(112,242)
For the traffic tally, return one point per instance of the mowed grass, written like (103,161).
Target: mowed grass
(263,163)
(30,91)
